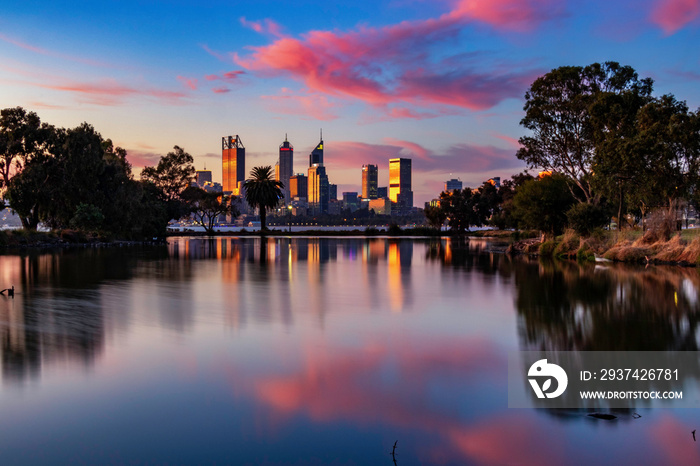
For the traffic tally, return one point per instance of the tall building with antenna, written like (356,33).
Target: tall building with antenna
(285,167)
(233,164)
(318,186)
(316,155)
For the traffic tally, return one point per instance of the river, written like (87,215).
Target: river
(323,351)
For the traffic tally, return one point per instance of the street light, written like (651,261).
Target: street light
(289,221)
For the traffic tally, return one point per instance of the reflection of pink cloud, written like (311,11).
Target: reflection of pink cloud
(527,442)
(672,15)
(339,388)
(383,66)
(674,440)
(354,388)
(188,82)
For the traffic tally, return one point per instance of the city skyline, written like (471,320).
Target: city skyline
(442,83)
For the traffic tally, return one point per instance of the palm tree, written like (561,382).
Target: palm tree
(263,191)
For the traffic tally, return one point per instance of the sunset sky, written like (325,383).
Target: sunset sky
(439,81)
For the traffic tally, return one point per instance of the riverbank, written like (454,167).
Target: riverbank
(20,239)
(682,248)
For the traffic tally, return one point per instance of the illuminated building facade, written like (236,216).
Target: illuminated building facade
(370,181)
(400,189)
(233,163)
(285,168)
(318,192)
(298,186)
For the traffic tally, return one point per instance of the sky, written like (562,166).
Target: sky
(439,81)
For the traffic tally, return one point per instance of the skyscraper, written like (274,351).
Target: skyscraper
(233,163)
(286,167)
(319,193)
(370,181)
(318,189)
(400,184)
(298,186)
(203,176)
(453,184)
(316,155)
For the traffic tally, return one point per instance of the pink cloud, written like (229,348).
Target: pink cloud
(220,90)
(219,56)
(460,158)
(188,82)
(672,15)
(516,15)
(267,26)
(391,65)
(140,159)
(314,105)
(229,76)
(110,92)
(51,53)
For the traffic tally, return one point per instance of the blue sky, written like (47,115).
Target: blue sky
(440,81)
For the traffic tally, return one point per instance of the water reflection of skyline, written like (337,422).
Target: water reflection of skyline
(390,337)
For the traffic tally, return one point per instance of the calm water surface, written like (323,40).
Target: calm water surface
(322,351)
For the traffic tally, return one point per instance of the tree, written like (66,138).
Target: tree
(436,216)
(263,191)
(21,136)
(541,204)
(463,209)
(207,207)
(669,139)
(558,113)
(173,174)
(504,218)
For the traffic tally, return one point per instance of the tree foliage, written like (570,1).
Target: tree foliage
(262,191)
(541,204)
(558,113)
(463,209)
(73,178)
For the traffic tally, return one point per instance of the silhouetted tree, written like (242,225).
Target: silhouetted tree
(558,112)
(206,207)
(263,191)
(173,174)
(541,204)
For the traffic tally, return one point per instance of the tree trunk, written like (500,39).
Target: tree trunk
(263,214)
(619,212)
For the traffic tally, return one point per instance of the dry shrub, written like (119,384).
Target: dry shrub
(661,224)
(692,251)
(670,250)
(629,253)
(598,243)
(568,245)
